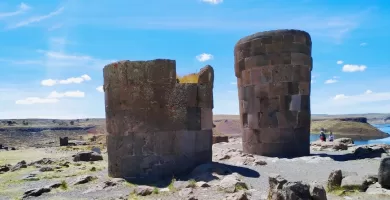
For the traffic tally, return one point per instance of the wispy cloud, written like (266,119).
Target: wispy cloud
(100,89)
(54,27)
(36,19)
(21,9)
(53,97)
(332,80)
(212,1)
(233,83)
(76,80)
(366,97)
(363,44)
(354,68)
(204,57)
(340,62)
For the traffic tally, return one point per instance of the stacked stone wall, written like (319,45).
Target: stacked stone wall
(156,127)
(273,71)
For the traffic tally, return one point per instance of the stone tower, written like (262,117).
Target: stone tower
(156,127)
(273,71)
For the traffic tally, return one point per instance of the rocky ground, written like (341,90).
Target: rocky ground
(65,174)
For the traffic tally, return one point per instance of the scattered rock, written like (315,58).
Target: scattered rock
(164,190)
(241,195)
(334,179)
(43,161)
(36,192)
(317,191)
(5,168)
(372,151)
(384,173)
(31,177)
(202,184)
(344,140)
(76,142)
(96,150)
(281,189)
(19,165)
(260,162)
(84,179)
(143,190)
(377,190)
(232,183)
(353,183)
(65,164)
(87,156)
(46,169)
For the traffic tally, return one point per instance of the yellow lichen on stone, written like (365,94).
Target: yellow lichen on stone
(190,78)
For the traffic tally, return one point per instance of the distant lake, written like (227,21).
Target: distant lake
(383,127)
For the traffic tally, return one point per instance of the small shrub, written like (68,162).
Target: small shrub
(93,169)
(64,185)
(71,123)
(170,186)
(192,183)
(155,190)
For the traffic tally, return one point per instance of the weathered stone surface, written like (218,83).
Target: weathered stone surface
(19,165)
(317,191)
(156,126)
(273,71)
(384,173)
(232,183)
(220,138)
(334,180)
(87,156)
(64,141)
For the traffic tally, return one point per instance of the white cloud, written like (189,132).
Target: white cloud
(36,100)
(72,94)
(100,89)
(76,80)
(233,83)
(36,19)
(22,8)
(363,44)
(354,68)
(204,57)
(367,96)
(340,62)
(212,1)
(330,81)
(59,41)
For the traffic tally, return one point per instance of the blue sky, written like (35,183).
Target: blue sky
(52,52)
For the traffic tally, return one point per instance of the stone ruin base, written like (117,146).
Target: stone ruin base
(156,156)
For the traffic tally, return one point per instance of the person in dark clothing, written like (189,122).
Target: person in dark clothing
(322,135)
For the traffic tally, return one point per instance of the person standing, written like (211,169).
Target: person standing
(322,135)
(331,137)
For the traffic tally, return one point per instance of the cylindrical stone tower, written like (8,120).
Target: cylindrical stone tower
(273,71)
(156,127)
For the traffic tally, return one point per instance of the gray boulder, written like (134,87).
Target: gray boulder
(87,156)
(19,165)
(143,190)
(354,183)
(232,183)
(384,173)
(317,191)
(334,179)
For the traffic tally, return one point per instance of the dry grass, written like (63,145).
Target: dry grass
(337,126)
(190,78)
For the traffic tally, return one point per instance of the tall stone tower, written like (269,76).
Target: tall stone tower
(156,127)
(273,71)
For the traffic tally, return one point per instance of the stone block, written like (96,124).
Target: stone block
(205,96)
(64,141)
(249,92)
(304,88)
(220,138)
(277,89)
(266,75)
(185,143)
(246,78)
(253,120)
(204,140)
(244,120)
(288,38)
(183,95)
(239,67)
(295,104)
(206,119)
(165,143)
(303,118)
(206,75)
(272,149)
(269,135)
(115,74)
(305,102)
(283,119)
(274,105)
(251,136)
(305,73)
(261,90)
(244,106)
(161,72)
(284,102)
(293,88)
(287,135)
(194,118)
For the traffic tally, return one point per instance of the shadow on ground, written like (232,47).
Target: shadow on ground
(205,172)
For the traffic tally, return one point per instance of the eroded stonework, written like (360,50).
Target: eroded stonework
(157,127)
(273,71)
